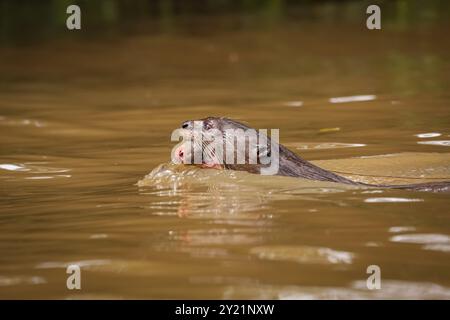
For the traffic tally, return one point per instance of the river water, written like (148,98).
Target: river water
(83,121)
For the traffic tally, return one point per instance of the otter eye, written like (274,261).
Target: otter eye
(207,125)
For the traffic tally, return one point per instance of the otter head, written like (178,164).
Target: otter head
(211,125)
(223,143)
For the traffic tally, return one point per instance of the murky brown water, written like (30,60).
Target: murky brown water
(83,121)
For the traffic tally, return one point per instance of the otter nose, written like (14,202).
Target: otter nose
(187,125)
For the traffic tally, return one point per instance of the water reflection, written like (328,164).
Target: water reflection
(303,254)
(49,18)
(201,193)
(14,281)
(444,143)
(81,264)
(225,236)
(397,229)
(356,98)
(6,121)
(324,145)
(31,168)
(433,242)
(391,200)
(217,194)
(421,238)
(33,171)
(428,135)
(293,103)
(391,289)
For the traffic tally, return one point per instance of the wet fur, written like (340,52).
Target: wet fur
(292,165)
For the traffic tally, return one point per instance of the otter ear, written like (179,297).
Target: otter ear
(208,124)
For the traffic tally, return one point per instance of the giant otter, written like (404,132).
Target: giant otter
(290,164)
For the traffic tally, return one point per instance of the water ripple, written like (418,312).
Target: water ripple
(401,229)
(326,145)
(390,199)
(303,254)
(368,97)
(425,238)
(444,143)
(428,135)
(293,103)
(12,281)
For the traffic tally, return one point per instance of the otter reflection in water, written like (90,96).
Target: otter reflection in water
(259,154)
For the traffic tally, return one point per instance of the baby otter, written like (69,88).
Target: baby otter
(257,154)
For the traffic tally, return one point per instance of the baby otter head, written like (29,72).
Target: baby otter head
(224,143)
